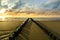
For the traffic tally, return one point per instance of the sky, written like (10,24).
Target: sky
(30,4)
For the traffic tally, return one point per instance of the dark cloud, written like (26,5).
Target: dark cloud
(19,4)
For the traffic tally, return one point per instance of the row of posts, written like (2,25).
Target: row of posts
(52,36)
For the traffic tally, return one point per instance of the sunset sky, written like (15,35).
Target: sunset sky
(31,4)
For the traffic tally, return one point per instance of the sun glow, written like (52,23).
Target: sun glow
(3,18)
(2,11)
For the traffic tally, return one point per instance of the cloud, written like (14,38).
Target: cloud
(31,4)
(44,4)
(19,4)
(51,4)
(9,3)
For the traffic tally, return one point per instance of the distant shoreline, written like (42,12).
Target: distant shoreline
(24,19)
